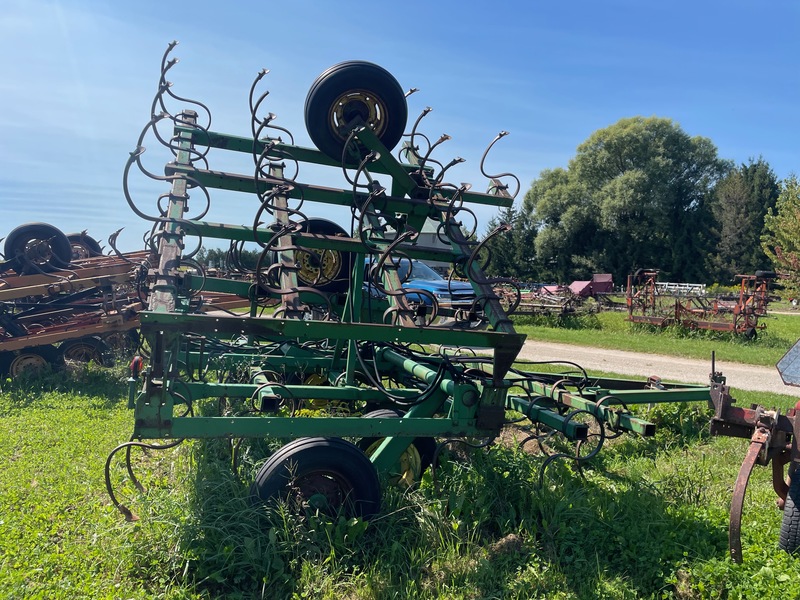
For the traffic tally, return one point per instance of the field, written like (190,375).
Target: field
(648,517)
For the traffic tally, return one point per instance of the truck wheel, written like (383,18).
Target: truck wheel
(86,350)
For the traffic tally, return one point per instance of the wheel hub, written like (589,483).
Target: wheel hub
(38,251)
(27,363)
(357,105)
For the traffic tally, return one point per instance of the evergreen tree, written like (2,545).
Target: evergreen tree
(781,239)
(741,201)
(512,252)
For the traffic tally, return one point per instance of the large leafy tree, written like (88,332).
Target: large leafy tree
(781,239)
(739,204)
(563,215)
(635,195)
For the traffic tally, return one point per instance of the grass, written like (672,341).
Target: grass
(611,330)
(647,519)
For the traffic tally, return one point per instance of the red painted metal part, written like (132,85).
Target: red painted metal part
(757,444)
(773,438)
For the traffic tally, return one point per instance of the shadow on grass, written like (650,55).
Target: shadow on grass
(67,386)
(486,531)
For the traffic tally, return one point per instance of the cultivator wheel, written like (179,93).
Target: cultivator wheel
(790,525)
(326,270)
(29,361)
(83,246)
(123,344)
(329,475)
(37,247)
(349,95)
(85,350)
(413,461)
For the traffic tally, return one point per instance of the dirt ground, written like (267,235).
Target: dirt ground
(669,368)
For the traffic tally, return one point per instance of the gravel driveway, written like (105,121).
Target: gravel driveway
(669,368)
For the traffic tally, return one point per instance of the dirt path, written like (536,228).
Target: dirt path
(669,368)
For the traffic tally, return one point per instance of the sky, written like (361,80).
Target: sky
(78,77)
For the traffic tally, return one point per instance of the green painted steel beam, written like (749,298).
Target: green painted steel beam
(386,163)
(199,390)
(310,193)
(402,182)
(599,407)
(316,330)
(246,145)
(245,233)
(545,415)
(294,427)
(652,396)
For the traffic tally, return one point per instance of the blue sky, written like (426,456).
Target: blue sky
(77,80)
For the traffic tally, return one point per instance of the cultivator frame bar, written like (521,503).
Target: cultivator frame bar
(330,346)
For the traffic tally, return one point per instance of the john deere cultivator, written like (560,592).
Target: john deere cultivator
(401,370)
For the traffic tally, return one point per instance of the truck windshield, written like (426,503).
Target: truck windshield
(419,270)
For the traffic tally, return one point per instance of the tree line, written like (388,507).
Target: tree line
(642,193)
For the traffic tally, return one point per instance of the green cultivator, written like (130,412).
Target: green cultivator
(363,376)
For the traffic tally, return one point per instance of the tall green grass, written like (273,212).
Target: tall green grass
(646,519)
(611,330)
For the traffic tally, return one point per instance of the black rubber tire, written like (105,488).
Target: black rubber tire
(298,471)
(83,246)
(123,344)
(359,77)
(13,364)
(60,248)
(789,539)
(87,349)
(426,446)
(338,280)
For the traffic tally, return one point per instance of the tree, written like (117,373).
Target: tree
(781,239)
(740,202)
(512,252)
(232,259)
(634,196)
(563,215)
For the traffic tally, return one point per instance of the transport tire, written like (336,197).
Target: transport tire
(29,361)
(86,350)
(83,246)
(789,539)
(322,269)
(123,344)
(35,247)
(325,474)
(353,93)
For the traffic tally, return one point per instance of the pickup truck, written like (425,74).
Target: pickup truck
(449,294)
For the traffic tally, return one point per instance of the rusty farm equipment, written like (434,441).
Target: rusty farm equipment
(61,298)
(686,305)
(391,378)
(558,300)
